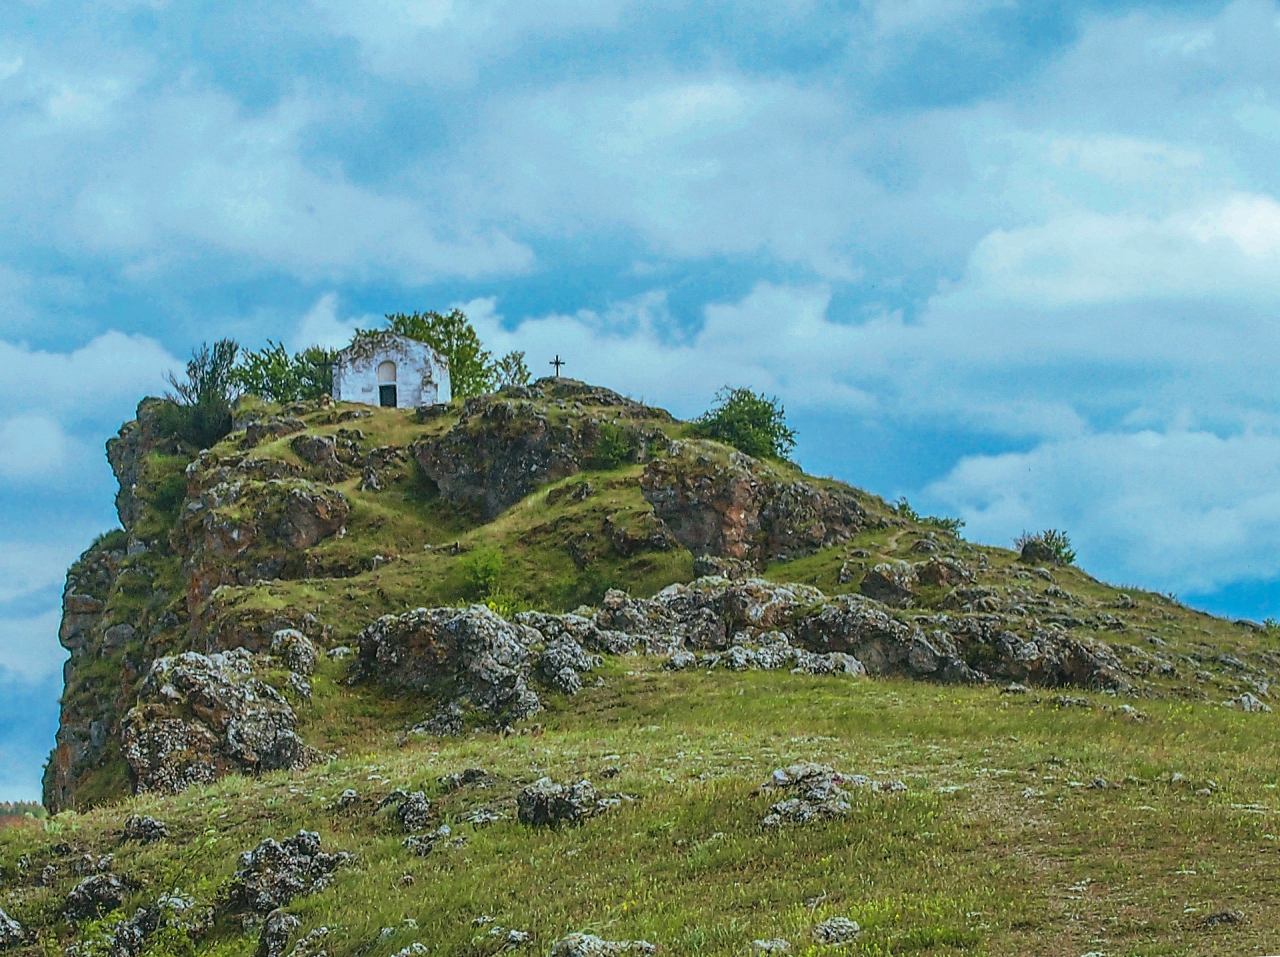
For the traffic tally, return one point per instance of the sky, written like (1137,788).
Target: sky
(1018,262)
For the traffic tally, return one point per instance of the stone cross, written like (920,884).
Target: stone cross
(557,362)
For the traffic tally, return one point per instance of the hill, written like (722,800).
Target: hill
(795,707)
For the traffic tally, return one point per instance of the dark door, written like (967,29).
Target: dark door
(387,396)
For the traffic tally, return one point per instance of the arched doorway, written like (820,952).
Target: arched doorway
(387,385)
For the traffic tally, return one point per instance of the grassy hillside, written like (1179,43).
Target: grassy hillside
(1136,819)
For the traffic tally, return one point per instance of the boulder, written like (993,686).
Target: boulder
(589,945)
(891,583)
(412,810)
(277,930)
(202,716)
(945,572)
(275,872)
(272,427)
(10,931)
(545,803)
(296,649)
(144,829)
(470,653)
(836,930)
(562,663)
(95,896)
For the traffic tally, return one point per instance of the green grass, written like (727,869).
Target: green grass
(993,849)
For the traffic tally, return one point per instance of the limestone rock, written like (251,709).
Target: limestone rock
(95,896)
(10,931)
(201,716)
(144,829)
(730,505)
(479,655)
(277,929)
(892,583)
(274,873)
(836,930)
(298,651)
(545,803)
(589,945)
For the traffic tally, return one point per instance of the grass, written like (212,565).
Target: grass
(996,848)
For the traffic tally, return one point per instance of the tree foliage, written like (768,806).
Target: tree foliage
(1051,546)
(198,410)
(275,376)
(753,423)
(511,370)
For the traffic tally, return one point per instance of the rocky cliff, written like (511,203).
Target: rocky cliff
(576,521)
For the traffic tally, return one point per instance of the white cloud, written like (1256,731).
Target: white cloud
(1183,511)
(29,647)
(322,327)
(31,447)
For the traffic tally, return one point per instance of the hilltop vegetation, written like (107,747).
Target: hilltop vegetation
(1049,764)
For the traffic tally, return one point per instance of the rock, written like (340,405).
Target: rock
(835,663)
(729,568)
(1247,702)
(424,844)
(945,572)
(924,546)
(563,661)
(347,798)
(547,804)
(1222,917)
(274,427)
(506,445)
(10,931)
(730,505)
(144,830)
(94,897)
(589,945)
(412,810)
(819,787)
(478,655)
(778,945)
(296,649)
(681,661)
(202,716)
(892,583)
(274,873)
(130,937)
(276,931)
(836,930)
(1036,552)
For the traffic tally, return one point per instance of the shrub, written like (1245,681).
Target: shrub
(951,526)
(614,446)
(272,374)
(198,410)
(1050,546)
(480,572)
(511,370)
(752,423)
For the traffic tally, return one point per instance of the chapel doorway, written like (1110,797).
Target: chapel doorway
(387,385)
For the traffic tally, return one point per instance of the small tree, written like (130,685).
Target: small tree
(274,375)
(471,369)
(198,410)
(511,370)
(753,423)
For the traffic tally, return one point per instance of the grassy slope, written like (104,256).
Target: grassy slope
(994,849)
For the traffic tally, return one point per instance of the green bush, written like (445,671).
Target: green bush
(272,374)
(471,370)
(752,423)
(480,572)
(614,446)
(511,370)
(1050,546)
(198,410)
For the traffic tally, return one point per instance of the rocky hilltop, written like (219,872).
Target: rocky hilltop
(332,582)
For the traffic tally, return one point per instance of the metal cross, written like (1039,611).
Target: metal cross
(557,362)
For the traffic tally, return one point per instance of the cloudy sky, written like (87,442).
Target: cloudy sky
(1017,261)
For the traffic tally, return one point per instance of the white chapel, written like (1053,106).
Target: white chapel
(390,370)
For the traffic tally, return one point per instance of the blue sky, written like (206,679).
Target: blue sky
(1018,262)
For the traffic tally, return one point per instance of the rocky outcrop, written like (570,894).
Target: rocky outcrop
(589,945)
(144,829)
(95,896)
(507,445)
(275,872)
(471,656)
(10,931)
(729,505)
(547,804)
(201,716)
(127,454)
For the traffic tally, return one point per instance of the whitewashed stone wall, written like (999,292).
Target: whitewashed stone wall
(419,373)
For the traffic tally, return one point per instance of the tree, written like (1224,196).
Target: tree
(754,424)
(511,370)
(471,368)
(198,410)
(272,374)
